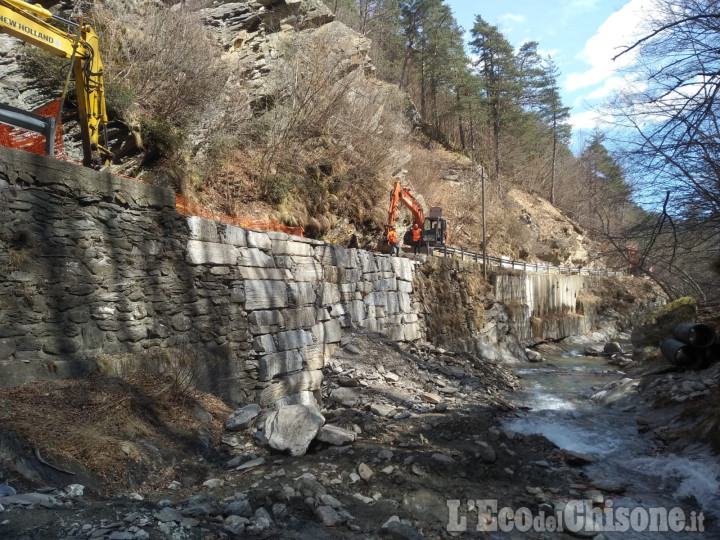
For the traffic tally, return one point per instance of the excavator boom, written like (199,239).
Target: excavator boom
(399,195)
(30,23)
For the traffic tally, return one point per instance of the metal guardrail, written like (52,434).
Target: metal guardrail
(518,265)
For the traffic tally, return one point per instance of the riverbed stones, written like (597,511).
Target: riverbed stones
(579,520)
(429,397)
(169,515)
(327,515)
(578,458)
(240,507)
(594,350)
(347,397)
(443,459)
(485,452)
(292,428)
(250,464)
(365,472)
(335,435)
(611,486)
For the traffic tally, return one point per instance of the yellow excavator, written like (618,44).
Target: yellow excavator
(31,23)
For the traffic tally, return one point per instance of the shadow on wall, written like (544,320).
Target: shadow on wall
(95,264)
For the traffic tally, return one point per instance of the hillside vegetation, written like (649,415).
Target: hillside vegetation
(305,112)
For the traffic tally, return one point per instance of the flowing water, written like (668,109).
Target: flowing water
(556,394)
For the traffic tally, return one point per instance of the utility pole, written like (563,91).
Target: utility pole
(482,177)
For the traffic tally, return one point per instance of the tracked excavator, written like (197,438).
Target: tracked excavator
(32,24)
(433,227)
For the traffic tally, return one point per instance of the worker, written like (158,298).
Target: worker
(393,241)
(416,238)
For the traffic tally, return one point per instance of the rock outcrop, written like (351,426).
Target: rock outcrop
(659,324)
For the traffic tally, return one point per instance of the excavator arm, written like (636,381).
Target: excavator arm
(30,23)
(402,195)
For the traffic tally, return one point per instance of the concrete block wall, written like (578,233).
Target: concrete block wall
(95,265)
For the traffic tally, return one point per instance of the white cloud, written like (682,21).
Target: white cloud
(582,5)
(617,84)
(586,120)
(548,52)
(571,10)
(511,18)
(618,31)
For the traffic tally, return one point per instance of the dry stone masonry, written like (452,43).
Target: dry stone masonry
(96,266)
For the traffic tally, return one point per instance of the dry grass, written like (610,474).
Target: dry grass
(101,423)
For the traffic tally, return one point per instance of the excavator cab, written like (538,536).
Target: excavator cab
(434,228)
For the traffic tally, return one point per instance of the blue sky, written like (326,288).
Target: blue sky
(582,36)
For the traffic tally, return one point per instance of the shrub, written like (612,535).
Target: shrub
(159,135)
(277,187)
(49,70)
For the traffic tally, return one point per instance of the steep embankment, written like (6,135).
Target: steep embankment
(278,114)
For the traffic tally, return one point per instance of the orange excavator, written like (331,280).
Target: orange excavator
(433,227)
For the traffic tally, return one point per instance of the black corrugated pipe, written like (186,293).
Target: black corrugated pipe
(681,354)
(696,334)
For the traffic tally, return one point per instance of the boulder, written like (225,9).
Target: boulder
(486,453)
(659,324)
(292,428)
(612,347)
(593,350)
(242,418)
(365,472)
(345,396)
(381,409)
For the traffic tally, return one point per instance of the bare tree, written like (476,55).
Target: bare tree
(667,124)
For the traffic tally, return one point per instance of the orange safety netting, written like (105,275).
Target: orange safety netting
(186,207)
(29,141)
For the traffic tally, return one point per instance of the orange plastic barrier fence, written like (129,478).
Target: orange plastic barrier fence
(29,141)
(186,207)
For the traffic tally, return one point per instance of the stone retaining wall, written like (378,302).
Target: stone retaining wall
(95,265)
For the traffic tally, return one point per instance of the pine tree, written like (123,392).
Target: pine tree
(555,115)
(499,75)
(604,172)
(442,56)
